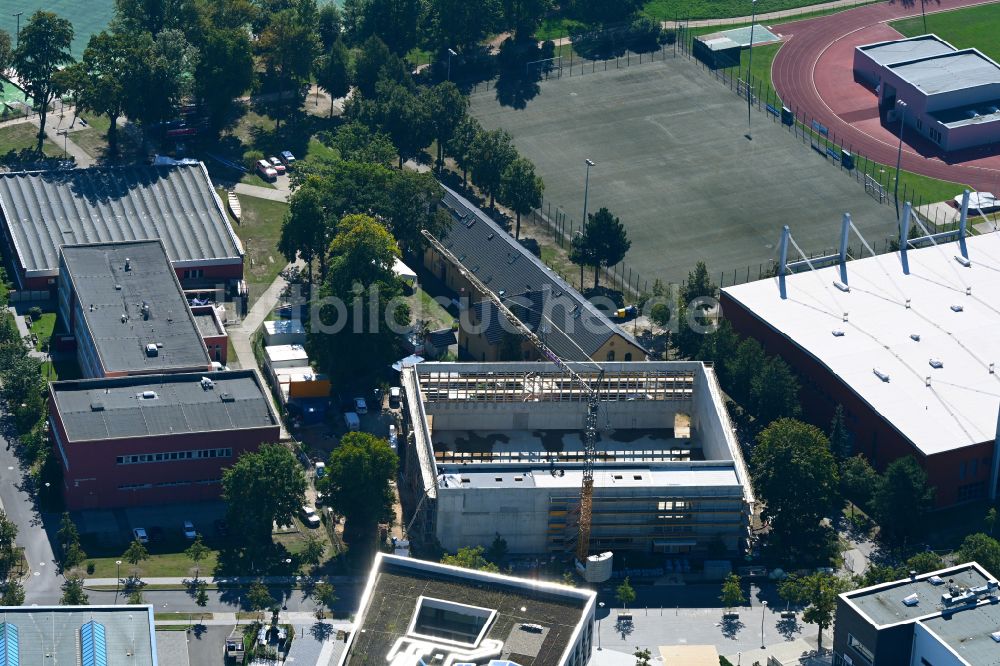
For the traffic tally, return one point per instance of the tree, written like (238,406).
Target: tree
(624,593)
(459,24)
(741,368)
(982,549)
(332,71)
(491,152)
(135,553)
(698,285)
(470,558)
(224,70)
(202,596)
(446,107)
(12,593)
(925,562)
(605,241)
(359,477)
(732,592)
(196,552)
(263,487)
(8,549)
(69,542)
(774,392)
(404,116)
(288,46)
(312,551)
(44,47)
(642,657)
(498,550)
(357,143)
(840,436)
(412,206)
(73,593)
(304,230)
(901,500)
(858,481)
(582,253)
(324,595)
(990,520)
(461,145)
(328,25)
(162,78)
(108,64)
(820,592)
(153,16)
(393,21)
(523,16)
(259,598)
(374,62)
(521,190)
(135,596)
(6,52)
(796,475)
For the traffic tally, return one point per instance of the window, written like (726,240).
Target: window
(173,455)
(860,648)
(611,355)
(194,273)
(628,356)
(920,123)
(961,470)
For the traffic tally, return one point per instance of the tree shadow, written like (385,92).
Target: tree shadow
(731,626)
(522,65)
(321,631)
(625,628)
(789,628)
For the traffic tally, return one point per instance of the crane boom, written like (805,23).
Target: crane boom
(593,397)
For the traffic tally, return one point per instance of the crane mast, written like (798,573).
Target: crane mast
(593,397)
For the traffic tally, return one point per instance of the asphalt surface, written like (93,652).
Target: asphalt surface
(673,162)
(801,81)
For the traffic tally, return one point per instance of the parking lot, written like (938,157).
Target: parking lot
(164,524)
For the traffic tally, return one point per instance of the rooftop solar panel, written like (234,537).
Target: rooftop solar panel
(93,645)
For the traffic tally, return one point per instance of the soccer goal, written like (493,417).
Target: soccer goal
(544,68)
(743,89)
(874,188)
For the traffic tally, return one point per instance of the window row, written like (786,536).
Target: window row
(168,484)
(170,456)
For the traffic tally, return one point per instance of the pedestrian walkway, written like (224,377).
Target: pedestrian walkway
(229,619)
(262,192)
(58,128)
(222,580)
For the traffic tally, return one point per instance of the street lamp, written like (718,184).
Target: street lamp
(586,192)
(763,608)
(601,604)
(118,578)
(753,17)
(451,53)
(901,106)
(17,42)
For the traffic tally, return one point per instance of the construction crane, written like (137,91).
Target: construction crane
(593,397)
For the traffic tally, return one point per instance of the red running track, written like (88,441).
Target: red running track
(813,75)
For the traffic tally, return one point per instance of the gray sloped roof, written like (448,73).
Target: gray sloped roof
(568,322)
(100,409)
(46,209)
(106,291)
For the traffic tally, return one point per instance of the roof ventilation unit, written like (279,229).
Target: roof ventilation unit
(148,395)
(841,286)
(995,636)
(97,406)
(207,383)
(957,308)
(227,397)
(881,375)
(907,304)
(128,264)
(837,333)
(911,600)
(936,363)
(915,337)
(845,316)
(935,580)
(962,260)
(152,350)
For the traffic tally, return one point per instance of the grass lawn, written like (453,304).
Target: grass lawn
(976,27)
(94,139)
(668,10)
(259,230)
(42,328)
(22,136)
(423,306)
(62,369)
(159,564)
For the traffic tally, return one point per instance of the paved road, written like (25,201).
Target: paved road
(42,585)
(801,85)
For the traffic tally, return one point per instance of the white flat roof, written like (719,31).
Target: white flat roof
(284,326)
(960,406)
(286,353)
(678,476)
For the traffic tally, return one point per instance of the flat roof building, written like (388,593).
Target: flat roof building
(123,304)
(111,635)
(497,448)
(948,95)
(155,439)
(906,344)
(44,210)
(945,618)
(569,323)
(416,612)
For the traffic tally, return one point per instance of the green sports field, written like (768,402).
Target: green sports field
(975,27)
(87,16)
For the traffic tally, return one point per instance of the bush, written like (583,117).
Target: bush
(251,157)
(645,35)
(35,313)
(90,568)
(660,314)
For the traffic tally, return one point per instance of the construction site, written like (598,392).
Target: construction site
(498,449)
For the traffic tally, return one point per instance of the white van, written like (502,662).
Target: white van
(352,421)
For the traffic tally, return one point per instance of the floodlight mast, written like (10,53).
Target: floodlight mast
(593,397)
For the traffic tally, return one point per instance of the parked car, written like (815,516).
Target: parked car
(392,435)
(320,470)
(139,534)
(189,532)
(265,170)
(395,396)
(287,157)
(352,421)
(277,164)
(310,517)
(360,406)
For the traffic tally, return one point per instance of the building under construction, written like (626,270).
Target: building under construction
(498,449)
